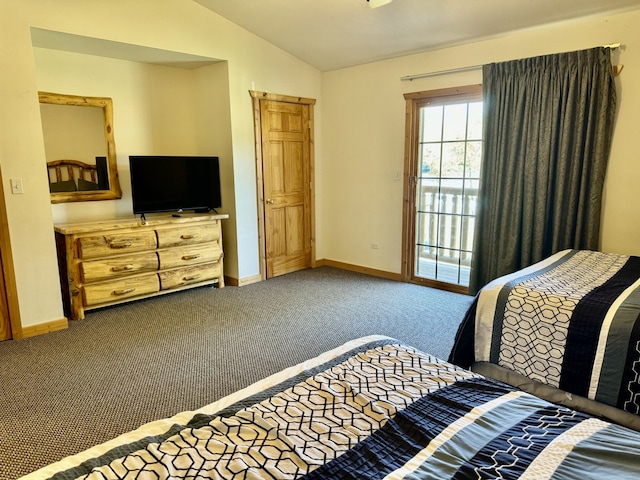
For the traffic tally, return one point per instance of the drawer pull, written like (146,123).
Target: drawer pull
(188,278)
(124,291)
(120,245)
(190,257)
(187,236)
(122,268)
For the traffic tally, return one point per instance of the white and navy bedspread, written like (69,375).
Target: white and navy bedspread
(373,408)
(571,321)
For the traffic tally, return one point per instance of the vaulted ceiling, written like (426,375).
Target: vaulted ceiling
(333,34)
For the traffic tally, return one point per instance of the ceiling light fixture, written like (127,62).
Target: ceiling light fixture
(377,3)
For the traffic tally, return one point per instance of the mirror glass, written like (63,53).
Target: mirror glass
(79,147)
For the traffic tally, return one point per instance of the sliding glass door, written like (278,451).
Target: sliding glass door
(444,169)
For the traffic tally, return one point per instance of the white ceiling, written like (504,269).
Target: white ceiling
(333,34)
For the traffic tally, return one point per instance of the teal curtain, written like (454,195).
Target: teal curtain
(548,124)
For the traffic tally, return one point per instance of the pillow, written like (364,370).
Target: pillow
(63,186)
(86,185)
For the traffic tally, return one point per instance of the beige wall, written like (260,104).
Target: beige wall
(141,117)
(363,132)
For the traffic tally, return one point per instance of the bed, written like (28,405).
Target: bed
(371,408)
(566,328)
(72,175)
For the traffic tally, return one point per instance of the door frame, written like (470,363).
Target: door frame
(8,284)
(258,97)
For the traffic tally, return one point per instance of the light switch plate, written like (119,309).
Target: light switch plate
(16,185)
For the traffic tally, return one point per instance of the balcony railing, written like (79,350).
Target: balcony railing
(445,232)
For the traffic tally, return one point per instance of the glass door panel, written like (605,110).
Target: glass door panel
(450,144)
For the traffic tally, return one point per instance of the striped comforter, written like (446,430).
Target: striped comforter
(571,321)
(373,408)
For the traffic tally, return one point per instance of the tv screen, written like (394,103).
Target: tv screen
(174,183)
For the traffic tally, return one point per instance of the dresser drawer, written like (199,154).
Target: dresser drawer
(185,276)
(188,235)
(178,257)
(114,291)
(104,245)
(118,266)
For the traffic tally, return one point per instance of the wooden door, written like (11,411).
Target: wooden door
(286,172)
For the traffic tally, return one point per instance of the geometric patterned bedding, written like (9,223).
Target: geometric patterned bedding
(373,408)
(571,321)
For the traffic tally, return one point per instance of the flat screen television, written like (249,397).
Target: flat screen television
(162,183)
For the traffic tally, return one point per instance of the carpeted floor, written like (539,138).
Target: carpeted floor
(123,366)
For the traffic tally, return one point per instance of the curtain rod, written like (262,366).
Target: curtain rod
(409,78)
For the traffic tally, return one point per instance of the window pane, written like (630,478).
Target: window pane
(426,232)
(466,239)
(455,122)
(474,131)
(427,192)
(431,124)
(474,156)
(465,273)
(451,199)
(470,197)
(426,265)
(430,160)
(453,159)
(447,265)
(448,231)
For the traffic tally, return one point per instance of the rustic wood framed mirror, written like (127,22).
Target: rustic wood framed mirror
(79,147)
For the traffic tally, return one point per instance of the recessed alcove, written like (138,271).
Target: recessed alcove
(164,102)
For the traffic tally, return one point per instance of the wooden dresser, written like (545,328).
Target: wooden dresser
(108,262)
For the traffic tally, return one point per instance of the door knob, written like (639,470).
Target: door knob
(269,201)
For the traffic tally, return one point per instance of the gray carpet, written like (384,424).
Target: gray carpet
(123,366)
